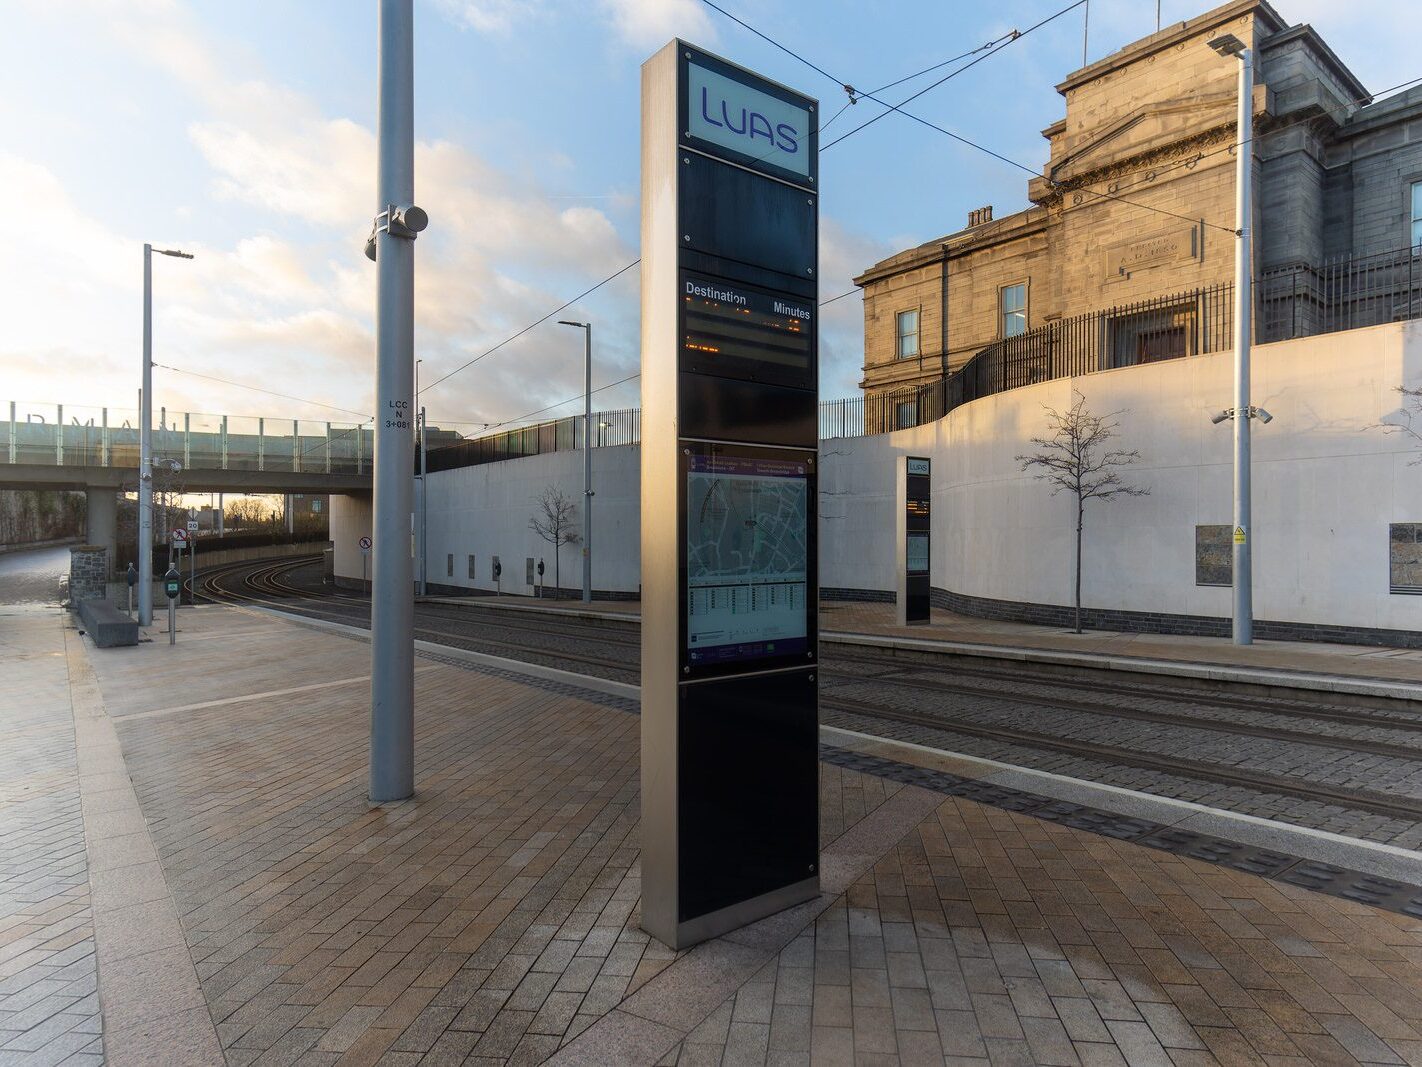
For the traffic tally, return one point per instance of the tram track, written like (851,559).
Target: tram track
(1382,804)
(262,585)
(1395,750)
(970,691)
(1195,696)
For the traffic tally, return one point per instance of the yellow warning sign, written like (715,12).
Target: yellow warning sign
(1240,537)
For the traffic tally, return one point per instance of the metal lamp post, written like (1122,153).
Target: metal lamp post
(586,327)
(391,245)
(1242,412)
(145,441)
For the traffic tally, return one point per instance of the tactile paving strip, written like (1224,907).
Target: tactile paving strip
(1320,877)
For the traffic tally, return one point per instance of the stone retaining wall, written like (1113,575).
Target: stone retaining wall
(88,573)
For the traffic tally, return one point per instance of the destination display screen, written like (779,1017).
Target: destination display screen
(739,331)
(747,552)
(916,556)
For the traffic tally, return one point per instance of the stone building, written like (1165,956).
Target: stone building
(1126,254)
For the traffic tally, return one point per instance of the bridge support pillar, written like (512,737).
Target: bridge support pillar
(101,520)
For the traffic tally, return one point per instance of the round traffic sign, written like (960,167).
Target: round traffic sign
(180,535)
(365,544)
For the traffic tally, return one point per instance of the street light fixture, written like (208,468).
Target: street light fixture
(145,441)
(1227,45)
(586,327)
(1242,412)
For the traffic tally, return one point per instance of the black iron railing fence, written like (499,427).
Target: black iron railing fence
(1299,301)
(1341,294)
(557,435)
(1346,293)
(1147,331)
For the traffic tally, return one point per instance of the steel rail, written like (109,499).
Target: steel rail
(1255,781)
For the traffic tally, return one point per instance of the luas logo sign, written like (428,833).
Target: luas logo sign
(752,122)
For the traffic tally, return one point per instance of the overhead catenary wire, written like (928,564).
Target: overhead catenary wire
(988,49)
(539,322)
(998,41)
(1010,39)
(899,108)
(259,389)
(620,381)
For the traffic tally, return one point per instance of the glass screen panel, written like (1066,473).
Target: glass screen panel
(747,543)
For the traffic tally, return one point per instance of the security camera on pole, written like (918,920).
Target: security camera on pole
(392,246)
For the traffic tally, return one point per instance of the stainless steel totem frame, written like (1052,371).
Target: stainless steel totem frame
(729,745)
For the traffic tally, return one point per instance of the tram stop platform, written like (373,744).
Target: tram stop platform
(192,874)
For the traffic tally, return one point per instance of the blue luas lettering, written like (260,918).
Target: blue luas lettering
(751,124)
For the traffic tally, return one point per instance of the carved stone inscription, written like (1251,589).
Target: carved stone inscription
(1123,259)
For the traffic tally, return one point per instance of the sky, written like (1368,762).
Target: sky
(243,133)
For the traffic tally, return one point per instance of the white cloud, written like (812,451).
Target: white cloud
(650,23)
(291,300)
(491,16)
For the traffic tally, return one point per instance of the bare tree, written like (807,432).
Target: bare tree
(241,513)
(555,522)
(1077,458)
(1410,418)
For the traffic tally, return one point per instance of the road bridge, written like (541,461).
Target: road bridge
(60,447)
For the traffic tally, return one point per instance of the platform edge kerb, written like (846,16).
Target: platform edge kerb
(1261,676)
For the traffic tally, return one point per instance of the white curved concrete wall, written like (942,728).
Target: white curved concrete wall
(350,521)
(485,510)
(1327,482)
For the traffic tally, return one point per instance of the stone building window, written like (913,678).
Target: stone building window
(1405,557)
(906,324)
(906,414)
(1214,555)
(1152,335)
(1012,300)
(1416,214)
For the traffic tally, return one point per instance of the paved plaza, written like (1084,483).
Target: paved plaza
(189,825)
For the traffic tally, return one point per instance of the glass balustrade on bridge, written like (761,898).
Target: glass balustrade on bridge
(63,435)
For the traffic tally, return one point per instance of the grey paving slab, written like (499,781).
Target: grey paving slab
(46,925)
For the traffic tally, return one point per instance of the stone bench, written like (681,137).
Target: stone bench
(106,625)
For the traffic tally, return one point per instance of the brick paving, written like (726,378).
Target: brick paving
(49,1009)
(493,918)
(989,937)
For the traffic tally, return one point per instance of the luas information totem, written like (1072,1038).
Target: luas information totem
(730,798)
